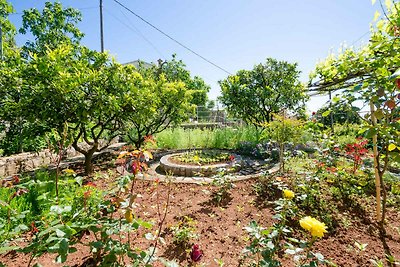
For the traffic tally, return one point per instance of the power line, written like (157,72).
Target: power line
(135,29)
(359,38)
(171,38)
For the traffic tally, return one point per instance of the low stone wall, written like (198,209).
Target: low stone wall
(193,170)
(25,162)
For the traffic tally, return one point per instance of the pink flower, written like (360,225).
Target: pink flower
(231,157)
(196,253)
(136,168)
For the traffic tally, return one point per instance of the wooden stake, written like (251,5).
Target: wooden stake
(376,166)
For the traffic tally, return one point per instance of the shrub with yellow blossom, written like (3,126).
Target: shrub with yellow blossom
(288,194)
(315,227)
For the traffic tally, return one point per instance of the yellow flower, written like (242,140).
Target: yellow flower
(69,171)
(315,227)
(288,194)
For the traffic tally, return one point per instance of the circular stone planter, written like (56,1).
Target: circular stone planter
(176,169)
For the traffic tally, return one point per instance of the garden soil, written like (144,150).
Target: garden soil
(220,228)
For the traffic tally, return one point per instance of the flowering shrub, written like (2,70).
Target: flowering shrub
(266,243)
(357,151)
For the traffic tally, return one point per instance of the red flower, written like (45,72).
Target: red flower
(196,253)
(34,229)
(231,157)
(15,179)
(90,183)
(331,169)
(87,194)
(313,113)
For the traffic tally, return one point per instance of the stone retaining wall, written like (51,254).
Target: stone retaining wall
(25,162)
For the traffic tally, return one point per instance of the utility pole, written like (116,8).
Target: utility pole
(101,26)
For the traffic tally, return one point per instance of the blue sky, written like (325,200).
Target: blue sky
(234,34)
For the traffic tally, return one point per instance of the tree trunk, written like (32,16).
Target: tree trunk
(89,163)
(89,157)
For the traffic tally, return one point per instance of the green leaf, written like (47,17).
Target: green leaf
(60,233)
(380,24)
(335,99)
(326,113)
(60,209)
(7,249)
(371,132)
(379,114)
(376,16)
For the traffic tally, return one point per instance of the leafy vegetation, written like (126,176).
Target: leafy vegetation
(56,93)
(203,157)
(255,95)
(371,78)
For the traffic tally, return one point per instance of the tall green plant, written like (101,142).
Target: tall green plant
(283,131)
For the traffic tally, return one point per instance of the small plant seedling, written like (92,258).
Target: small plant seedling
(184,231)
(224,184)
(377,263)
(361,246)
(219,262)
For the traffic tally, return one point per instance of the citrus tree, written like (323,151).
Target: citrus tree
(255,95)
(160,104)
(371,75)
(52,26)
(174,70)
(63,84)
(86,92)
